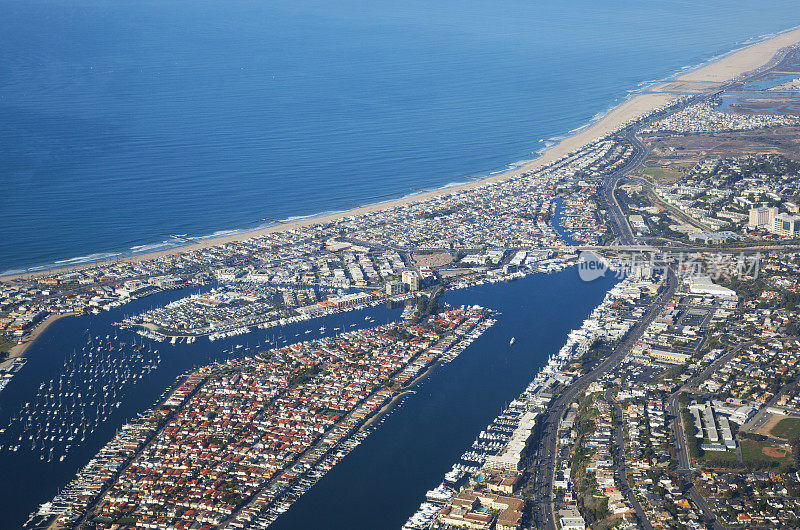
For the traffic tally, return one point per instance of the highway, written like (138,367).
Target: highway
(617,217)
(544,461)
(545,458)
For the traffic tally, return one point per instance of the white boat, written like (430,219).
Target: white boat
(512,341)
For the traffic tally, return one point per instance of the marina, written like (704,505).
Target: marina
(453,403)
(176,358)
(386,365)
(7,373)
(500,445)
(60,350)
(279,478)
(86,391)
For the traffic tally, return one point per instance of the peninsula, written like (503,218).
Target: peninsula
(667,405)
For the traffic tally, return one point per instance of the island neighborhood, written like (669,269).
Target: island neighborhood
(676,404)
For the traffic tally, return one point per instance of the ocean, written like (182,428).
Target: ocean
(123,123)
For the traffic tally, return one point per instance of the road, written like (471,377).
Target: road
(763,415)
(609,184)
(679,433)
(100,495)
(681,448)
(544,462)
(692,384)
(682,452)
(620,468)
(617,217)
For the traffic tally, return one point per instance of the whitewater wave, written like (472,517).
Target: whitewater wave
(220,233)
(644,86)
(154,246)
(547,144)
(98,256)
(520,163)
(594,118)
(451,185)
(743,45)
(294,218)
(11,272)
(761,38)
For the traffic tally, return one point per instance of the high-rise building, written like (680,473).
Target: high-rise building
(762,217)
(411,279)
(394,287)
(786,225)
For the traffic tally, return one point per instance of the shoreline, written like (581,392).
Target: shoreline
(20,349)
(409,388)
(729,66)
(389,405)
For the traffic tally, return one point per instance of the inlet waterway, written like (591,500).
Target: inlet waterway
(558,218)
(381,483)
(389,473)
(59,350)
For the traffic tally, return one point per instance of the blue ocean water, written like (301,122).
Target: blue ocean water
(124,122)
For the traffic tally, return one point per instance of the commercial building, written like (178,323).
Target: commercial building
(347,300)
(337,246)
(511,455)
(669,356)
(713,238)
(762,217)
(500,481)
(394,287)
(571,519)
(704,285)
(786,225)
(411,279)
(476,510)
(230,274)
(132,288)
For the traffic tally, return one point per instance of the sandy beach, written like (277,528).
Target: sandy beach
(708,76)
(19,349)
(744,60)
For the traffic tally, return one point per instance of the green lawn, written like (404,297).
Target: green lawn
(787,429)
(757,452)
(662,175)
(721,458)
(5,344)
(5,347)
